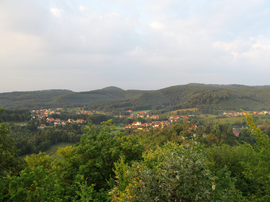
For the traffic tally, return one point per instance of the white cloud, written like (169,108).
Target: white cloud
(169,40)
(157,26)
(82,8)
(56,12)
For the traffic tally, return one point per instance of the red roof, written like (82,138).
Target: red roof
(236,133)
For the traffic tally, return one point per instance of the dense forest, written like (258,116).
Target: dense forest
(223,97)
(179,163)
(30,139)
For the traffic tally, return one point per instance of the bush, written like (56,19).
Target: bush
(172,173)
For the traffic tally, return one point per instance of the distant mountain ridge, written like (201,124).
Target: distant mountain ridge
(110,98)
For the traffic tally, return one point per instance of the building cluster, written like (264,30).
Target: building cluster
(154,124)
(230,114)
(45,112)
(143,115)
(176,118)
(91,112)
(59,122)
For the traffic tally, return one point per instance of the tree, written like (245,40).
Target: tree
(95,155)
(172,173)
(10,163)
(257,169)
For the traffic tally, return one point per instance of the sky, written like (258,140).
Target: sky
(83,45)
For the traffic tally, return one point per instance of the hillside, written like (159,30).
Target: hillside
(27,99)
(181,96)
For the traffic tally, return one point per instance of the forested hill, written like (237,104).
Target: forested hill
(174,97)
(28,99)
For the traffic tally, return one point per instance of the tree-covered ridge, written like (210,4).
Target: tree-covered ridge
(195,95)
(28,99)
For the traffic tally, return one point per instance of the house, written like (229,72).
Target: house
(130,111)
(63,123)
(157,124)
(194,127)
(174,118)
(236,134)
(165,123)
(80,120)
(58,109)
(57,122)
(136,123)
(155,117)
(128,126)
(42,126)
(71,120)
(49,120)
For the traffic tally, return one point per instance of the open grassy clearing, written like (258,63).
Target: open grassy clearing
(189,109)
(137,112)
(231,119)
(210,116)
(117,129)
(52,150)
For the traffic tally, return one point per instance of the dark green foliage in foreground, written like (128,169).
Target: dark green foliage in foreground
(108,167)
(10,163)
(173,173)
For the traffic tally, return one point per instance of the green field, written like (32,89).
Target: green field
(231,119)
(189,109)
(117,129)
(52,150)
(222,120)
(210,116)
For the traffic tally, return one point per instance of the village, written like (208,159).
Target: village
(152,120)
(46,113)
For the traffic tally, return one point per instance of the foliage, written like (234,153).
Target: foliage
(230,157)
(10,163)
(172,173)
(96,153)
(257,169)
(171,98)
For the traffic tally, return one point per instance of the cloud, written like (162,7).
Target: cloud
(157,26)
(82,8)
(56,12)
(137,44)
